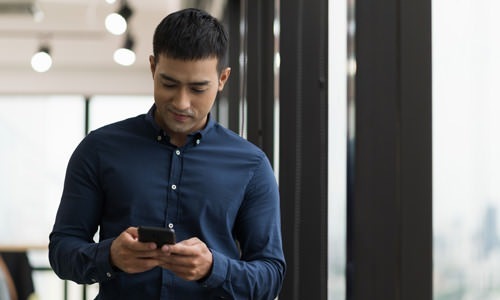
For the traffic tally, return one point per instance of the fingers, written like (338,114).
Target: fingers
(190,259)
(185,247)
(132,256)
(131,236)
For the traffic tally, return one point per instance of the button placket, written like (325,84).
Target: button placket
(174,182)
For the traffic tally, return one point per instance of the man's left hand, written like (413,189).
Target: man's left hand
(189,259)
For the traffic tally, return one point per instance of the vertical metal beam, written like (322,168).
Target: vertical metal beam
(87,115)
(416,149)
(233,21)
(260,74)
(390,217)
(225,109)
(65,290)
(374,220)
(87,129)
(303,147)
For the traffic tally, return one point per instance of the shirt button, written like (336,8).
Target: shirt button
(108,274)
(197,141)
(174,186)
(93,280)
(178,152)
(158,138)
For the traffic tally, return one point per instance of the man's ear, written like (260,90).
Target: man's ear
(152,65)
(224,75)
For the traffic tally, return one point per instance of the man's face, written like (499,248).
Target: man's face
(184,93)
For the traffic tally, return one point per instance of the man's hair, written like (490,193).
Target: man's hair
(191,34)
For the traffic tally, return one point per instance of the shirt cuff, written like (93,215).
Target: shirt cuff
(219,271)
(105,270)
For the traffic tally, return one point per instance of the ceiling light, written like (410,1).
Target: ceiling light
(125,56)
(41,61)
(116,23)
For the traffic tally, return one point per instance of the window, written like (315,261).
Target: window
(104,110)
(337,149)
(38,137)
(39,134)
(466,147)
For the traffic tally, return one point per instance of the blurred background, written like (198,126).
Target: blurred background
(343,238)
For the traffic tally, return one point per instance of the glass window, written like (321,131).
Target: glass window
(466,147)
(104,110)
(38,135)
(337,148)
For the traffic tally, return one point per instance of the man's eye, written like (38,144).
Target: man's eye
(169,85)
(197,91)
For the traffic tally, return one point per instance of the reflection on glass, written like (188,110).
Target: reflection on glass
(466,147)
(337,148)
(38,134)
(104,110)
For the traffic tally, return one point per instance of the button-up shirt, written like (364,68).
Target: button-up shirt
(218,187)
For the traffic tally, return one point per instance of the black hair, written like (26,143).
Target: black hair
(191,34)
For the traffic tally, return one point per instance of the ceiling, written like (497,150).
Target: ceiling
(81,48)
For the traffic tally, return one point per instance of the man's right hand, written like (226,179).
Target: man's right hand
(132,256)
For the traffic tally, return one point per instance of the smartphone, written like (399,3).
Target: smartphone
(159,235)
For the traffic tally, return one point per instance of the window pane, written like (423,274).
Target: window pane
(337,149)
(466,147)
(38,135)
(104,110)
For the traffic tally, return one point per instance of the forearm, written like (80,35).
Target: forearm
(78,260)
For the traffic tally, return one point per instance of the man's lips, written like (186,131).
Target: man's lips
(180,117)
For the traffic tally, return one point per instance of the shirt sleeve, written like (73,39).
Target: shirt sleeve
(259,273)
(73,254)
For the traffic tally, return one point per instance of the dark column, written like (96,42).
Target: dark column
(303,146)
(390,196)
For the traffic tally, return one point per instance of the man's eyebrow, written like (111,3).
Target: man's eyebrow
(197,83)
(166,77)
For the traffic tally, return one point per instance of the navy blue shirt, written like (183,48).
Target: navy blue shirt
(218,187)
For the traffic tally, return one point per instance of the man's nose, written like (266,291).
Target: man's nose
(181,99)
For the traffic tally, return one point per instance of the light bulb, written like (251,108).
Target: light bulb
(116,24)
(124,57)
(41,61)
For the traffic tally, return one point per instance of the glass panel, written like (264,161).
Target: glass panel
(466,147)
(104,110)
(337,148)
(38,135)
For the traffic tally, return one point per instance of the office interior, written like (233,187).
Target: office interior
(380,120)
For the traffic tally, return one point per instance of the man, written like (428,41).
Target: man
(173,167)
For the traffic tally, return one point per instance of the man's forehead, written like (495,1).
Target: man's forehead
(168,57)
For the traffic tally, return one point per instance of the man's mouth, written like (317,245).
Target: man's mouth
(179,117)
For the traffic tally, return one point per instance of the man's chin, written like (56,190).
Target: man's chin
(179,129)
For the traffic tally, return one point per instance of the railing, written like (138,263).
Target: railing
(65,283)
(40,268)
